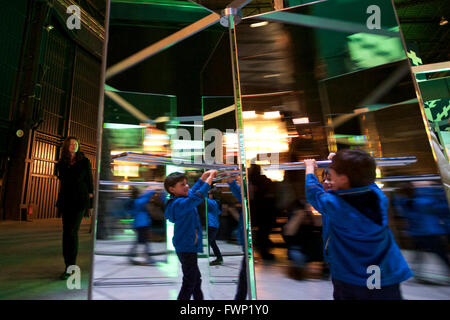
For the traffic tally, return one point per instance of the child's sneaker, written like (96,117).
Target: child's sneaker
(151,261)
(216,262)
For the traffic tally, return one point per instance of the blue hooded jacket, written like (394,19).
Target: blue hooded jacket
(182,211)
(213,213)
(427,213)
(358,234)
(139,212)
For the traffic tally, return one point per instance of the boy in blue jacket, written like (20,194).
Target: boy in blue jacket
(365,262)
(181,210)
(142,221)
(213,209)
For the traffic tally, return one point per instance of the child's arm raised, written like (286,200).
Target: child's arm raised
(313,188)
(310,165)
(211,176)
(197,195)
(213,206)
(194,198)
(234,188)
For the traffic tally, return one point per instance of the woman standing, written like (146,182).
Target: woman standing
(74,198)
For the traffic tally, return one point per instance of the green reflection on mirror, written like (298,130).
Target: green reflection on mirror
(433,83)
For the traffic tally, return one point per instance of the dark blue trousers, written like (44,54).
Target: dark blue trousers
(346,291)
(212,235)
(192,278)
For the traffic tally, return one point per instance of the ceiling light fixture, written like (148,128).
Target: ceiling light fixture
(249,114)
(272,115)
(272,75)
(259,24)
(300,120)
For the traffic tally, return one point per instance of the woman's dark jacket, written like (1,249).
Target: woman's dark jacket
(75,185)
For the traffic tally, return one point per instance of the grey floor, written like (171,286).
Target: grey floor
(117,279)
(31,261)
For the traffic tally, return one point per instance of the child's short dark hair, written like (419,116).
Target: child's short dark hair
(172,179)
(325,173)
(357,165)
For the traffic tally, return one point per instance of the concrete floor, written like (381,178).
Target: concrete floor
(31,261)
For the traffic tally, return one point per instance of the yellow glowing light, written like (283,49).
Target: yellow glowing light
(125,170)
(262,135)
(156,141)
(378,172)
(249,114)
(274,175)
(272,115)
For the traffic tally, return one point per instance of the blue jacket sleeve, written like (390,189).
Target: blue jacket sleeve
(314,192)
(213,206)
(145,197)
(235,190)
(141,201)
(198,185)
(194,198)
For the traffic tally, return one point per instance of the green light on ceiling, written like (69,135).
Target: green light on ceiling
(121,126)
(109,88)
(350,139)
(415,60)
(438,109)
(369,50)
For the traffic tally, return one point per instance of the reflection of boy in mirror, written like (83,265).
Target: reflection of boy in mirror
(187,239)
(213,209)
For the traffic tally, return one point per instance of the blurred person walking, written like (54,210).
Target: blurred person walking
(425,208)
(142,221)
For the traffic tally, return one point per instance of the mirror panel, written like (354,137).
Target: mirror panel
(322,80)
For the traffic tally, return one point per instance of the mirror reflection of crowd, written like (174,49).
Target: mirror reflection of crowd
(271,203)
(263,210)
(423,207)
